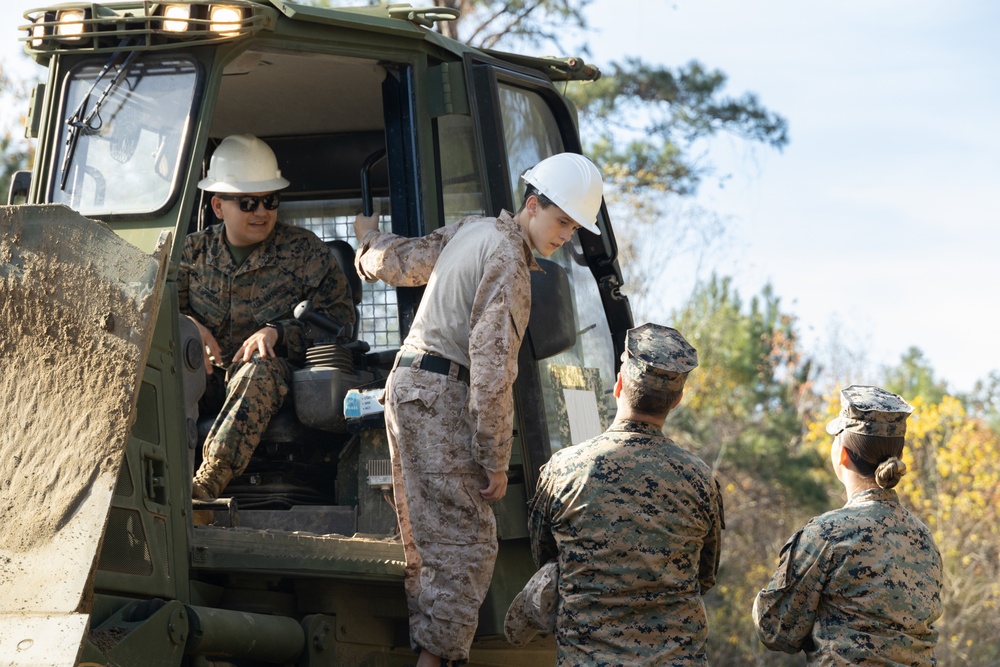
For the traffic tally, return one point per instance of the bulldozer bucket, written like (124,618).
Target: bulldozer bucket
(77,310)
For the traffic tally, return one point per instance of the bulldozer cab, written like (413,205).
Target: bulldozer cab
(366,109)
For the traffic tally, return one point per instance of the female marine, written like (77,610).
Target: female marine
(860,585)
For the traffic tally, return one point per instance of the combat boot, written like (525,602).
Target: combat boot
(211,479)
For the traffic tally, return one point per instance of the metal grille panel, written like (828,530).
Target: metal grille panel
(125,548)
(124,486)
(160,525)
(379,325)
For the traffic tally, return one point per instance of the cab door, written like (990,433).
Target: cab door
(565,398)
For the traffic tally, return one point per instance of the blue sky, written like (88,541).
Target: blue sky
(878,225)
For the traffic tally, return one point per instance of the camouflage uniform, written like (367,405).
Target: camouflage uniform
(442,431)
(233,302)
(860,585)
(635,523)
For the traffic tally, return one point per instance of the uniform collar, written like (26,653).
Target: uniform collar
(873,495)
(509,226)
(636,427)
(218,254)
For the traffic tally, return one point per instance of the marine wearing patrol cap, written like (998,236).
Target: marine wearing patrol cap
(871,411)
(658,357)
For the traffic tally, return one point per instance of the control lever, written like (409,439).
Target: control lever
(304,313)
(367,198)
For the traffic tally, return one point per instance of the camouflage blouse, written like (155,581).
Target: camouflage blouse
(860,585)
(635,522)
(289,266)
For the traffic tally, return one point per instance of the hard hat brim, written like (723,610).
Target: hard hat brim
(270,185)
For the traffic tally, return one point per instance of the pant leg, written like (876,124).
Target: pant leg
(448,530)
(255,391)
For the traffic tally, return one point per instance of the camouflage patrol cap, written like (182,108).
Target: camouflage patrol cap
(658,357)
(870,411)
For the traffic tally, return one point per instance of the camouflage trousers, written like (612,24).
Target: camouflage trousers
(254,392)
(448,530)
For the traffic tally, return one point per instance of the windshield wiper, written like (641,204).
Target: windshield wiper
(78,122)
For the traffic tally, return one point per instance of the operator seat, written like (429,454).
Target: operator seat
(344,254)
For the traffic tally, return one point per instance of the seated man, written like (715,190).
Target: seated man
(239,282)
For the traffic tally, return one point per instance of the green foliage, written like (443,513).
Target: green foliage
(914,377)
(983,402)
(15,152)
(744,410)
(758,522)
(488,24)
(641,121)
(745,403)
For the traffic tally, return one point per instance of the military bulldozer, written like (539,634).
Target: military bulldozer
(104,557)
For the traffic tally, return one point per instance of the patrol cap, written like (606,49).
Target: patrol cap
(870,411)
(658,357)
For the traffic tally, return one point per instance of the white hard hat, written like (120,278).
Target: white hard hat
(573,183)
(243,163)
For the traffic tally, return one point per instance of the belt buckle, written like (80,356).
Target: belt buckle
(400,359)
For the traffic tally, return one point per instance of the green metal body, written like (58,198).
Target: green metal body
(326,88)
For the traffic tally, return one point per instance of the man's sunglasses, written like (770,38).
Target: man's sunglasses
(249,203)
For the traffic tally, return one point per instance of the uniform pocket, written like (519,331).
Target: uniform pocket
(455,607)
(454,511)
(408,386)
(785,575)
(431,412)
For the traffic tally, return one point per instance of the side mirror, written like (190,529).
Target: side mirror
(20,183)
(552,321)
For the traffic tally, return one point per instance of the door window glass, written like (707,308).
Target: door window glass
(577,384)
(461,181)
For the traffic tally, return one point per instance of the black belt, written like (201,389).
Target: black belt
(434,364)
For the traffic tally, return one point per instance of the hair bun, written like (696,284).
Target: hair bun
(889,472)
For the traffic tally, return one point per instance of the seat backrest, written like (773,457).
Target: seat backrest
(344,254)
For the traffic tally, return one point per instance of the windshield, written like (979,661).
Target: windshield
(124,124)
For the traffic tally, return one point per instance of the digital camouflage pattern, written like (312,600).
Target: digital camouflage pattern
(871,411)
(635,523)
(448,530)
(658,357)
(234,302)
(534,608)
(255,391)
(442,433)
(860,585)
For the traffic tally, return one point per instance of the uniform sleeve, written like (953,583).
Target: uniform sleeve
(184,281)
(187,273)
(401,261)
(496,325)
(784,612)
(543,544)
(708,566)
